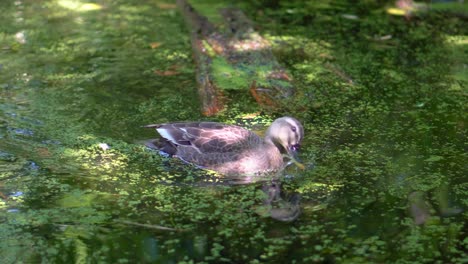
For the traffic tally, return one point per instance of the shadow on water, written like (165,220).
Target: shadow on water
(78,80)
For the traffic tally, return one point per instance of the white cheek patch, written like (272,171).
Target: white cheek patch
(165,134)
(299,131)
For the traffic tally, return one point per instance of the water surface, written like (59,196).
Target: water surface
(385,139)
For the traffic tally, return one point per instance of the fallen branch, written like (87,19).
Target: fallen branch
(158,227)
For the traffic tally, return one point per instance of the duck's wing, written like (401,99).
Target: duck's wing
(208,137)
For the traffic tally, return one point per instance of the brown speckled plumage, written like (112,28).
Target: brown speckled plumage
(228,149)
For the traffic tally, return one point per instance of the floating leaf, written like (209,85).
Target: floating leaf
(155,45)
(434,158)
(166,73)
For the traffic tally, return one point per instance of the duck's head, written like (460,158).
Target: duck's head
(286,133)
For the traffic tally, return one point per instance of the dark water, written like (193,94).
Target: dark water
(386,155)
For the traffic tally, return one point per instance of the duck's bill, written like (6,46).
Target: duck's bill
(298,164)
(294,158)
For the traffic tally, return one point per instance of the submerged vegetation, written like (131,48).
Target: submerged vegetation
(382,98)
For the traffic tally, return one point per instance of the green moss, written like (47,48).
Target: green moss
(229,78)
(241,76)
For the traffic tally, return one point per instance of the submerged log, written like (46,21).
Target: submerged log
(236,59)
(211,97)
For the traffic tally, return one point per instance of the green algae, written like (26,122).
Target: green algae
(73,170)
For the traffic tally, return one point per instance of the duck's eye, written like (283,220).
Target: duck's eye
(293,128)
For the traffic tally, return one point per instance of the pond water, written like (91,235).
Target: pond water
(382,99)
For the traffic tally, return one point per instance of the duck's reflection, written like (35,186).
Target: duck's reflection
(280,207)
(276,203)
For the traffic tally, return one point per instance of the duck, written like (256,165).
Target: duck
(230,149)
